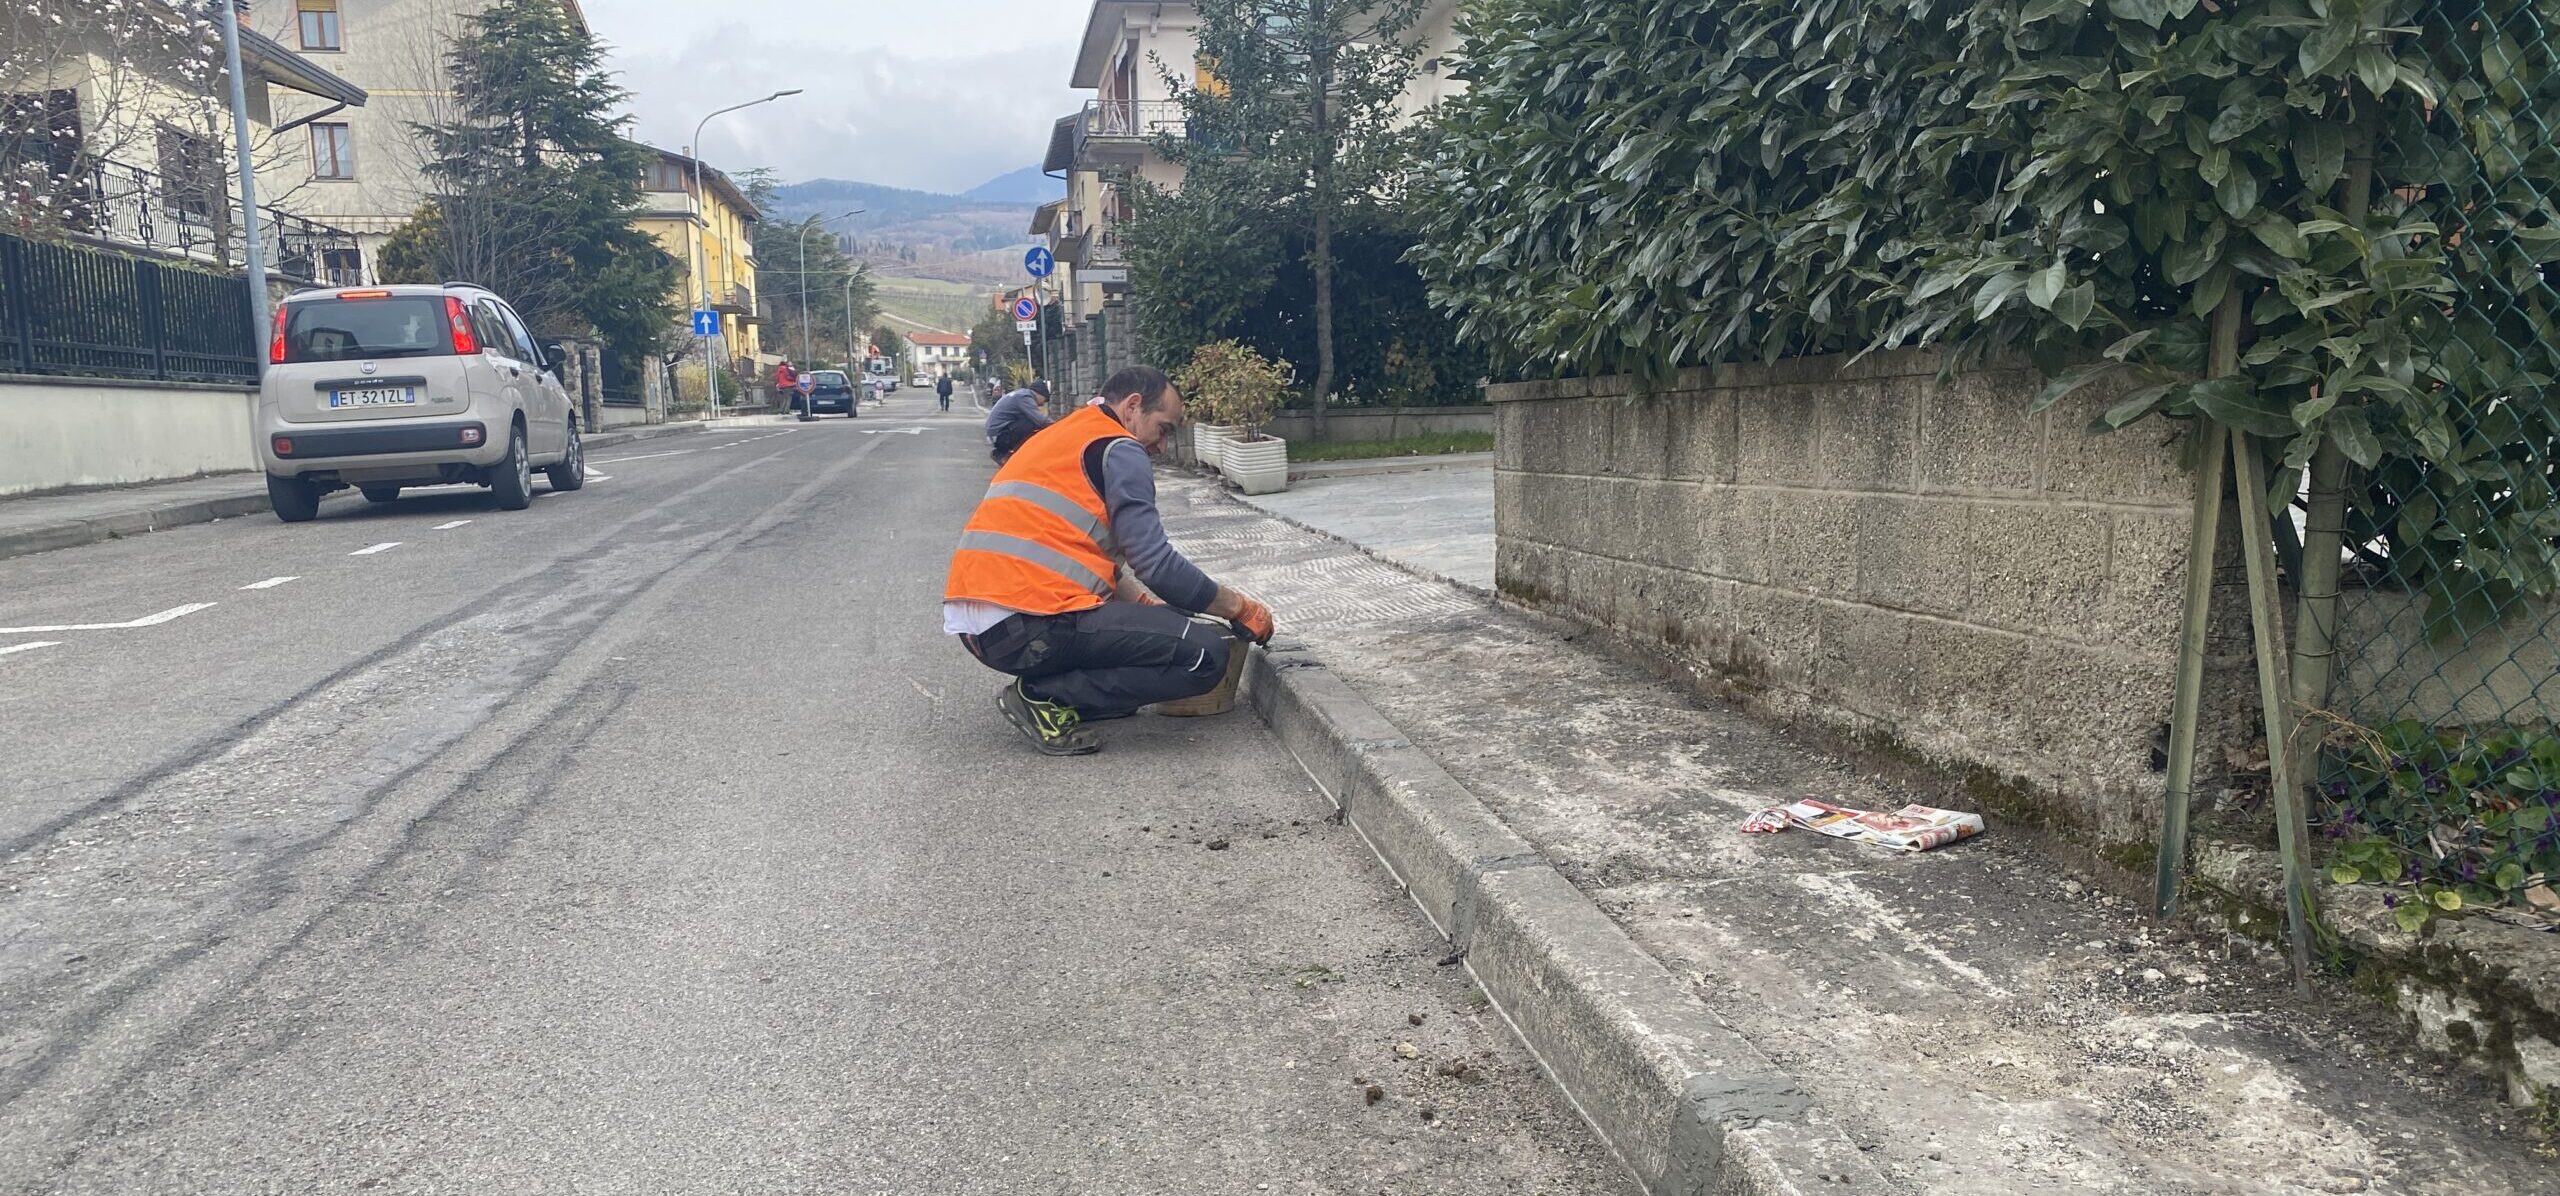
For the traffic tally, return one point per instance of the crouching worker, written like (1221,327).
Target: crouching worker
(1034,586)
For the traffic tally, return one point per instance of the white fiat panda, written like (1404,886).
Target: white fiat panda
(384,387)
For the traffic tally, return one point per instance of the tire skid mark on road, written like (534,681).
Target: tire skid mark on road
(321,792)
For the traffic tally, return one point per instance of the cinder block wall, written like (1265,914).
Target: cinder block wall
(1922,566)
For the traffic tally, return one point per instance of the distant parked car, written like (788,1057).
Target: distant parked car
(830,392)
(383,387)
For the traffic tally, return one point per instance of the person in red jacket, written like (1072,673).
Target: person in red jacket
(786,381)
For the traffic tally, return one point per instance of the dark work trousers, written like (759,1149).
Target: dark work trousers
(1109,660)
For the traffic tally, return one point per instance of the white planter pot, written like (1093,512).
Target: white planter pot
(1256,466)
(1206,440)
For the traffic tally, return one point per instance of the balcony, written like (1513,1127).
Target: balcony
(190,216)
(735,300)
(1121,132)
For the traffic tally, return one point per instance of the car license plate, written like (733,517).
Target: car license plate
(374,396)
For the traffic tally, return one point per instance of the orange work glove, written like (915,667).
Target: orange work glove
(1254,620)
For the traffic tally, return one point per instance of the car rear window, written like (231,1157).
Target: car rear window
(347,329)
(829,378)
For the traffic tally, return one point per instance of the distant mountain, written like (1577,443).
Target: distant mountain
(1026,185)
(919,234)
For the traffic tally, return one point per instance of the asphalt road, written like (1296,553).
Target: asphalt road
(655,840)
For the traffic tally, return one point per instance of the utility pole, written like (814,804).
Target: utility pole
(249,249)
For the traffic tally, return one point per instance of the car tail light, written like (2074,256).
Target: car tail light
(275,345)
(471,436)
(364,294)
(465,341)
(284,446)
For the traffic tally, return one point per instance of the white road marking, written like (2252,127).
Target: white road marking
(893,431)
(175,612)
(641,457)
(599,477)
(449,525)
(385,546)
(29,647)
(269,583)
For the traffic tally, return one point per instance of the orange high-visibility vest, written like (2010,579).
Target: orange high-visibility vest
(1040,542)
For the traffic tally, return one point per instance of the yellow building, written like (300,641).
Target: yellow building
(716,236)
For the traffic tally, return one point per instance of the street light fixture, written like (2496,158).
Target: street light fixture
(702,250)
(808,359)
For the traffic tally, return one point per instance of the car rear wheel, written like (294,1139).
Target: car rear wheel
(380,494)
(511,480)
(571,472)
(294,499)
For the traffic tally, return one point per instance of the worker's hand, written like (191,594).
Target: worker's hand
(1143,598)
(1254,620)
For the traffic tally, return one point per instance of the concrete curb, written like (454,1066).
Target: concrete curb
(73,533)
(1690,1106)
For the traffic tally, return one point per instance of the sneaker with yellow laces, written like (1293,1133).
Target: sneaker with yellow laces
(1055,729)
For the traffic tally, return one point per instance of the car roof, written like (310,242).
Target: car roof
(404,290)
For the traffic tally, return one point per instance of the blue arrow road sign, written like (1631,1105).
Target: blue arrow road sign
(1038,262)
(706,323)
(1026,308)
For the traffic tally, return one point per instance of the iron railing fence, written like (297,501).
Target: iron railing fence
(74,310)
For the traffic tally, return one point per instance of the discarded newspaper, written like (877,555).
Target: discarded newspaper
(1911,828)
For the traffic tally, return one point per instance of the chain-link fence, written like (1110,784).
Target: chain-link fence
(2443,769)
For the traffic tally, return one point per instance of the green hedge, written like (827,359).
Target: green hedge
(1636,187)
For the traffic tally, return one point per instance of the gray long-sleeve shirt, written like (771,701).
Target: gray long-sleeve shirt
(1013,419)
(1128,485)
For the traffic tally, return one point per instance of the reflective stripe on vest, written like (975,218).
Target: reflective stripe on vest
(1038,554)
(1064,508)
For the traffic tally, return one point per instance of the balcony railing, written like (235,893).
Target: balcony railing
(181,217)
(1133,119)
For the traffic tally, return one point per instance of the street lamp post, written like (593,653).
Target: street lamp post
(250,253)
(702,250)
(808,408)
(853,366)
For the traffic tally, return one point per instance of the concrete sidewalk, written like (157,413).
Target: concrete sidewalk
(44,522)
(1436,520)
(1970,1020)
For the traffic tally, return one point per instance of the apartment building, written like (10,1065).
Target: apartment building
(363,168)
(1134,56)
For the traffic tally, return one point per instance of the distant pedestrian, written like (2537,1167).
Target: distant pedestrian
(942,390)
(1015,418)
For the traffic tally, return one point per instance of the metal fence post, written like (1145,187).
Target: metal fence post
(146,288)
(21,304)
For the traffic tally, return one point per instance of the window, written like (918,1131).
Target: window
(191,181)
(351,329)
(342,267)
(525,351)
(319,24)
(665,176)
(333,152)
(492,331)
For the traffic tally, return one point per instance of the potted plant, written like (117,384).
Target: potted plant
(1237,391)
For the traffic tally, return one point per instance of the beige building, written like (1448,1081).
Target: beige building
(363,169)
(1132,56)
(115,124)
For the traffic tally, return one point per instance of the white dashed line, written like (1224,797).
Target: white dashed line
(385,546)
(175,612)
(269,583)
(641,457)
(599,477)
(29,647)
(449,525)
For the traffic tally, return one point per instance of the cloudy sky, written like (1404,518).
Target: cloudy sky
(938,95)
